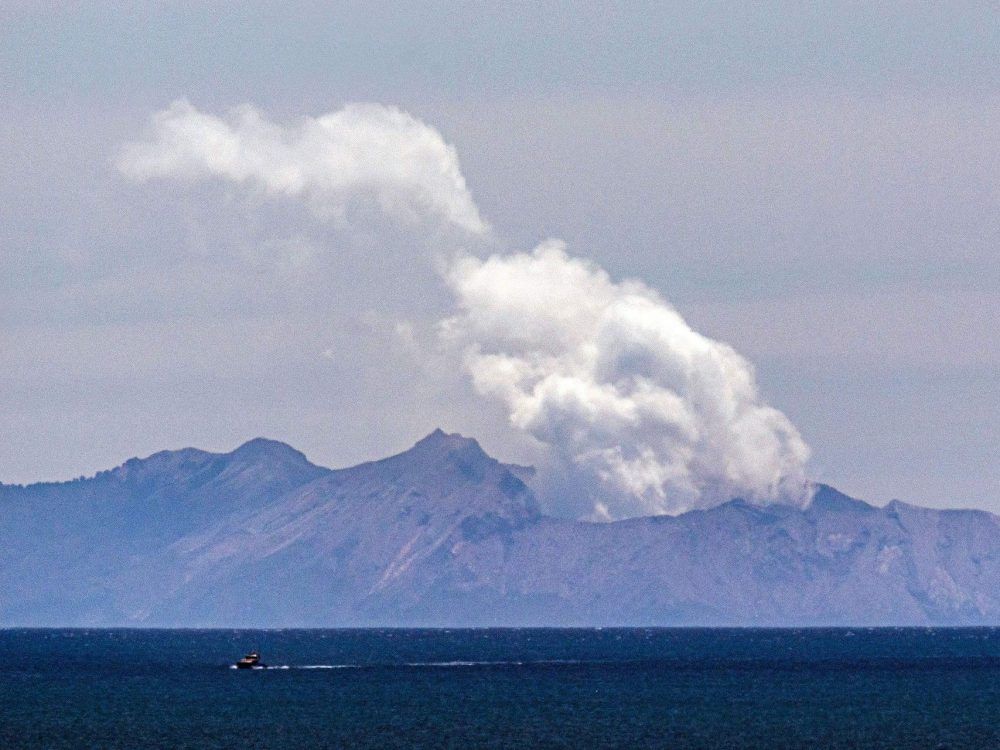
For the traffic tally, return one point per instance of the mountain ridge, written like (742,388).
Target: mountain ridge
(444,534)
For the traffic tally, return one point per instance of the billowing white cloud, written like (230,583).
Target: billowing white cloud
(640,410)
(615,381)
(361,149)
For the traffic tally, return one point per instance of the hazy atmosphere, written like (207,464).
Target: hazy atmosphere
(700,254)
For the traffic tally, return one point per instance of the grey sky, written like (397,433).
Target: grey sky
(816,187)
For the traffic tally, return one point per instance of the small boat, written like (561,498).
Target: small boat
(250,661)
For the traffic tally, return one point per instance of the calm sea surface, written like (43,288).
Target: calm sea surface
(907,688)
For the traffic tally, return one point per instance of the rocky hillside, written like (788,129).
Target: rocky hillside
(443,534)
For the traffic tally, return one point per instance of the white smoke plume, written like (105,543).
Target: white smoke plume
(648,414)
(363,148)
(612,378)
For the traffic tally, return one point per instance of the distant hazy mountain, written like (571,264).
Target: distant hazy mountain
(445,535)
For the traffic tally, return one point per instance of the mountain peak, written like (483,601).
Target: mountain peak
(828,499)
(446,440)
(261,447)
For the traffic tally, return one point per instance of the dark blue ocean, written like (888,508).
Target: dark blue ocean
(627,688)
